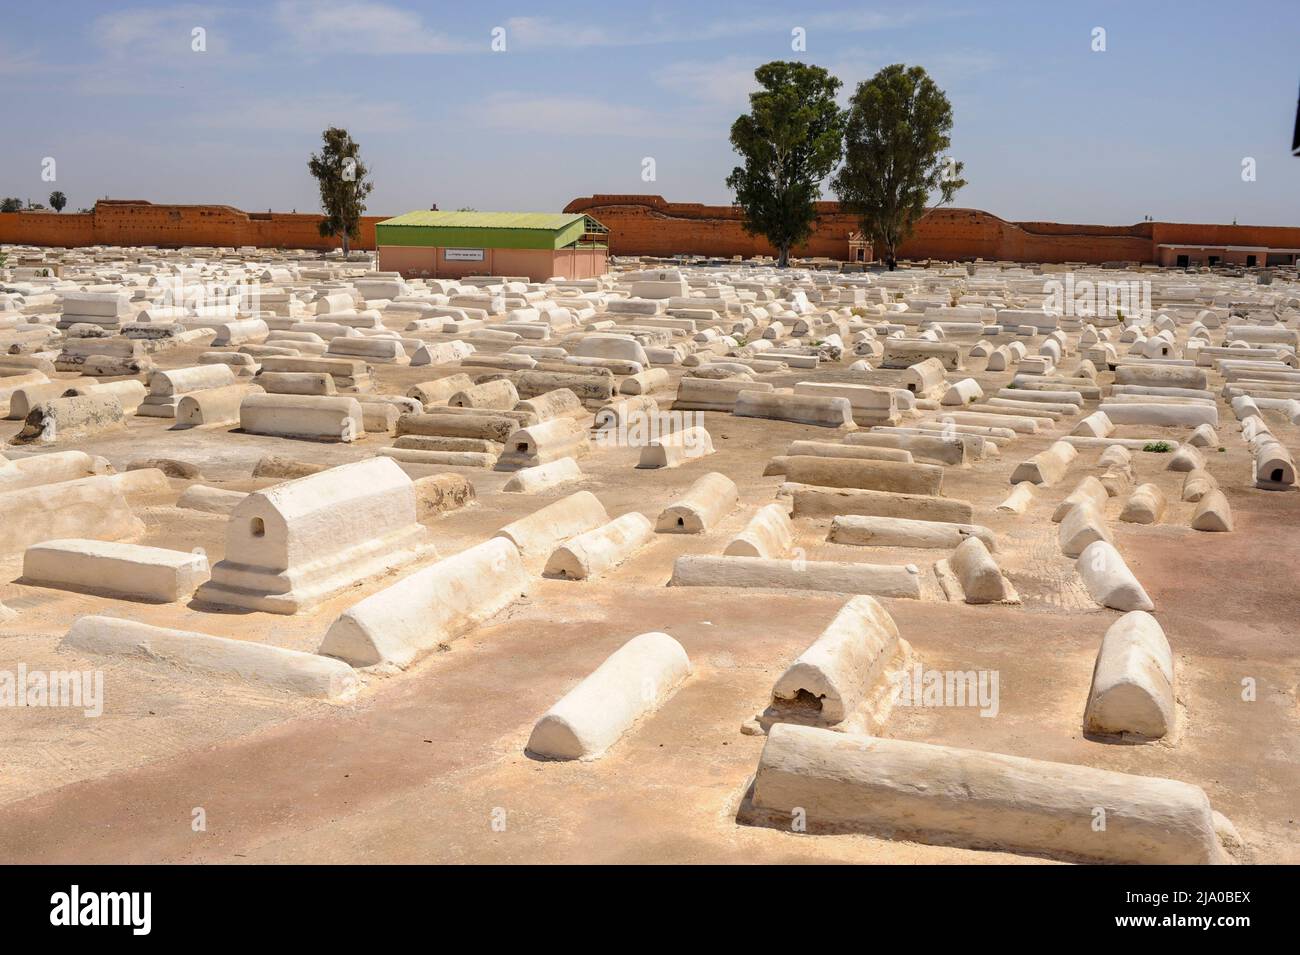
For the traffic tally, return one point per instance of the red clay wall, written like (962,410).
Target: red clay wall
(1182,233)
(649,225)
(47,228)
(129,222)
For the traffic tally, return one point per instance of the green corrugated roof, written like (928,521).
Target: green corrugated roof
(486,230)
(553,221)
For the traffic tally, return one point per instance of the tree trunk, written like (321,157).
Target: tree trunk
(783,258)
(345,243)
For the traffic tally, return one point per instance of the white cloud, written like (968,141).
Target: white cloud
(848,21)
(148,51)
(361,27)
(287,113)
(17,63)
(542,32)
(577,116)
(723,83)
(545,32)
(961,63)
(144,35)
(944,68)
(727,83)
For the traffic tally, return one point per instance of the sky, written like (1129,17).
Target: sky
(526,106)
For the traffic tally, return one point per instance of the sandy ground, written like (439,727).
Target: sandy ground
(429,765)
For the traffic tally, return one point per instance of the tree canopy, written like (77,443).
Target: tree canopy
(895,140)
(341,176)
(789,141)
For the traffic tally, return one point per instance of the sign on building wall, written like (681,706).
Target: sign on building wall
(462,255)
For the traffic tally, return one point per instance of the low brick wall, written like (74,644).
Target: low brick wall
(125,222)
(650,225)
